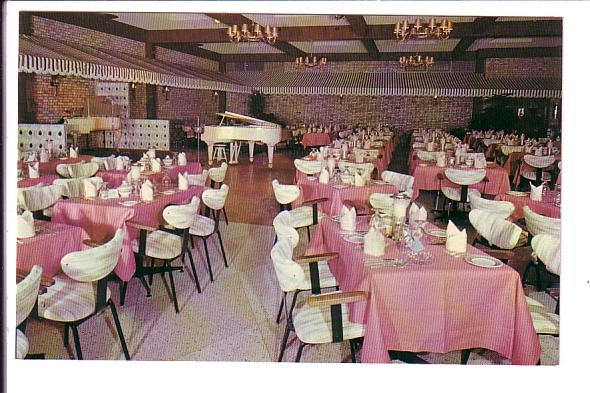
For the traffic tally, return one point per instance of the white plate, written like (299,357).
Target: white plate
(380,182)
(354,238)
(168,192)
(516,193)
(129,203)
(63,158)
(483,261)
(423,165)
(311,178)
(340,186)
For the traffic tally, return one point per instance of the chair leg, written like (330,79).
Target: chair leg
(190,258)
(284,341)
(308,234)
(151,278)
(208,260)
(119,329)
(222,249)
(192,242)
(465,355)
(146,286)
(225,215)
(66,334)
(77,342)
(281,308)
(352,351)
(299,352)
(122,293)
(173,291)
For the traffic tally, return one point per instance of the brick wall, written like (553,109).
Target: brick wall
(403,112)
(187,104)
(52,104)
(180,58)
(542,67)
(238,103)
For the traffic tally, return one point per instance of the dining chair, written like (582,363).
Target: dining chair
(74,188)
(503,209)
(537,223)
(199,180)
(203,226)
(463,179)
(39,200)
(324,319)
(365,168)
(309,167)
(403,183)
(84,169)
(217,176)
(296,275)
(303,216)
(167,244)
(547,255)
(541,165)
(105,163)
(82,292)
(26,296)
(426,155)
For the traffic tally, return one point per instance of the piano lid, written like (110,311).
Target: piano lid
(246,119)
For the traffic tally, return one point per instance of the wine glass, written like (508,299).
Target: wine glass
(166,181)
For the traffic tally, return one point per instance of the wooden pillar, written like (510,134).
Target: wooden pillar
(222,99)
(151,92)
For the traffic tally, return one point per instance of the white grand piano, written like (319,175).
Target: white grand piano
(253,131)
(100,116)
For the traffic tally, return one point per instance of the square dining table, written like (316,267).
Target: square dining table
(545,207)
(101,218)
(114,177)
(445,306)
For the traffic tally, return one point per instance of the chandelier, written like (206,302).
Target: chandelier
(310,61)
(441,31)
(254,33)
(416,61)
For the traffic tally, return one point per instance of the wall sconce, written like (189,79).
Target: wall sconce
(54,82)
(132,87)
(215,94)
(341,98)
(555,111)
(520,112)
(166,92)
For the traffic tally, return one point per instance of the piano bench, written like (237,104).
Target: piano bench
(219,152)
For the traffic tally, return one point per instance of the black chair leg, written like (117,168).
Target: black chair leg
(352,351)
(146,286)
(173,291)
(190,258)
(465,355)
(208,260)
(225,215)
(66,334)
(299,352)
(284,341)
(151,279)
(222,249)
(77,342)
(122,293)
(119,329)
(308,234)
(192,242)
(281,308)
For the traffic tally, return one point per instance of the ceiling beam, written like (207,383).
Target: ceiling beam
(480,26)
(192,49)
(359,26)
(545,28)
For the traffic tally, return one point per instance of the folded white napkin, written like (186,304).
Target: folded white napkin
(359,157)
(44,156)
(417,213)
(151,153)
(536,192)
(359,180)
(344,149)
(30,157)
(119,163)
(91,187)
(399,208)
(182,159)
(183,181)
(73,152)
(348,219)
(34,171)
(430,146)
(456,240)
(331,164)
(156,165)
(441,160)
(25,225)
(147,191)
(374,244)
(324,176)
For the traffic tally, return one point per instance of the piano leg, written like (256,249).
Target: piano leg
(210,153)
(271,149)
(251,150)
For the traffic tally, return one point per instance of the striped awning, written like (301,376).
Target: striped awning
(47,56)
(442,84)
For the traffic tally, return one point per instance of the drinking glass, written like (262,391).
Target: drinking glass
(166,181)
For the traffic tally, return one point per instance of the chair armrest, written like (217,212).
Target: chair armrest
(136,225)
(314,201)
(316,257)
(330,299)
(45,281)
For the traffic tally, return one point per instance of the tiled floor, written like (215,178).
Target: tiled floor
(233,319)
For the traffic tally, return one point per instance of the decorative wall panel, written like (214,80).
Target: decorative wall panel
(32,137)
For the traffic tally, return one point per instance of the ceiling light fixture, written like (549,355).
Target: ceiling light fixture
(254,33)
(416,61)
(310,61)
(441,31)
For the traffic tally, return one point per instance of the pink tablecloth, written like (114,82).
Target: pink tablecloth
(359,195)
(48,168)
(425,178)
(45,179)
(545,207)
(315,139)
(114,178)
(449,305)
(101,218)
(49,246)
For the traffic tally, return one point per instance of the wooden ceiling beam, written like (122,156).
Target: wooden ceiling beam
(193,50)
(359,27)
(480,26)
